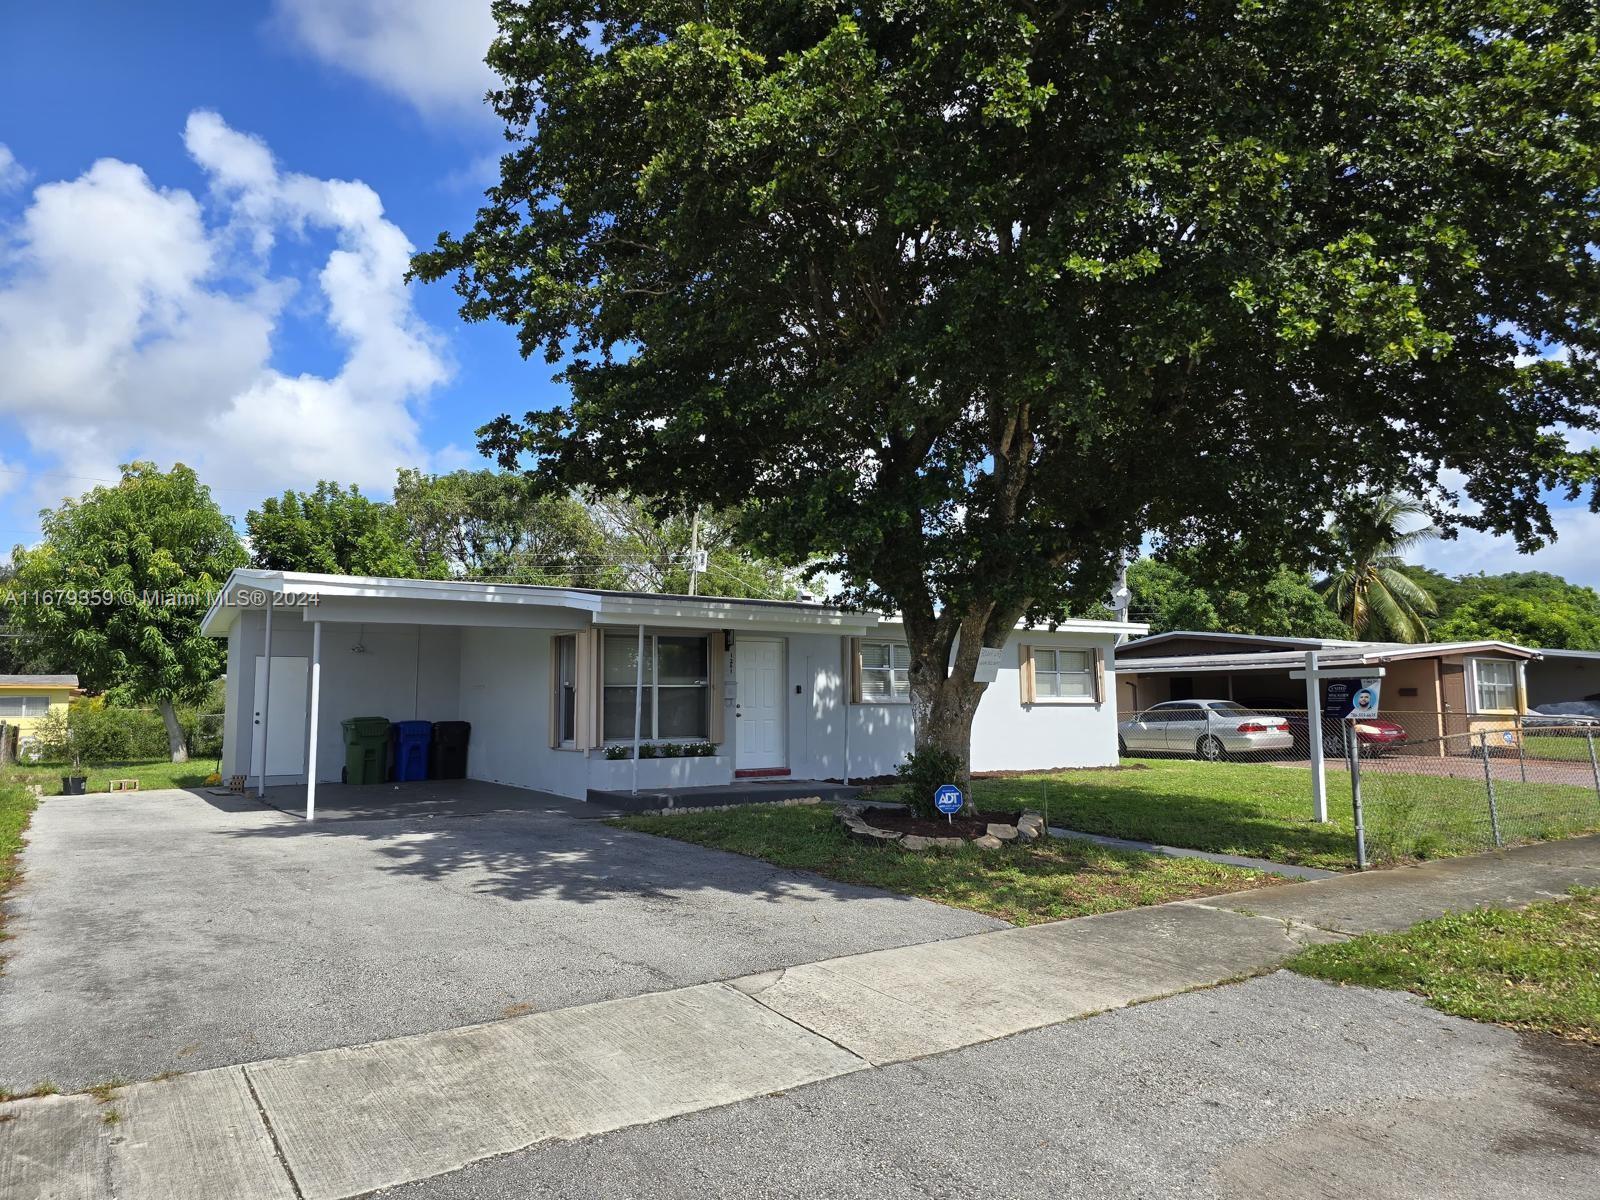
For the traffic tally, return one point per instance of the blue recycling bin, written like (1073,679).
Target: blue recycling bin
(411,750)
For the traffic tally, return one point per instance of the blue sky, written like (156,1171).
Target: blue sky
(204,213)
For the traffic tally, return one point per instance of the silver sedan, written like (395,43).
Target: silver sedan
(1208,729)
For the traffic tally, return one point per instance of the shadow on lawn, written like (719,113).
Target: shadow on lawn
(524,856)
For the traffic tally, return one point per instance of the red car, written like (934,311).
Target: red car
(1376,735)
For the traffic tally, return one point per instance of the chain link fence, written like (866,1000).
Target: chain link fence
(1429,783)
(1499,784)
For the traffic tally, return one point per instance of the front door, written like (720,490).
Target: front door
(286,755)
(759,705)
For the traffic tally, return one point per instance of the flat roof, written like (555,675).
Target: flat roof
(38,681)
(603,605)
(1353,655)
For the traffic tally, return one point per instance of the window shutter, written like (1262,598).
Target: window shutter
(1025,672)
(853,668)
(553,692)
(717,664)
(589,691)
(1099,676)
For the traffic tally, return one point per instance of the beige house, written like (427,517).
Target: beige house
(1436,689)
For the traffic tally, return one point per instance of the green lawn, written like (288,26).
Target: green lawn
(16,807)
(1264,811)
(1235,808)
(1023,884)
(1537,968)
(151,774)
(1560,748)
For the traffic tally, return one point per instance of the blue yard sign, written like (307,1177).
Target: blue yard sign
(948,799)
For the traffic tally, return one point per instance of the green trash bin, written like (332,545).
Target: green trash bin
(366,749)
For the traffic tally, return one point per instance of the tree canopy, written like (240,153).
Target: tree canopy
(331,530)
(969,298)
(1173,594)
(119,582)
(1536,622)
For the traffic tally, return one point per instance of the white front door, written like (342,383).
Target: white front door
(286,755)
(759,704)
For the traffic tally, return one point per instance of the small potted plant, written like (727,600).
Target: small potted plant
(77,783)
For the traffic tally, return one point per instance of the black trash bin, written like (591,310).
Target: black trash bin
(447,754)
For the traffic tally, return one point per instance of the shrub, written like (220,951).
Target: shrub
(616,752)
(921,775)
(52,737)
(103,733)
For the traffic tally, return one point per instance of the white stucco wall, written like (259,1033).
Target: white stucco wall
(404,673)
(505,693)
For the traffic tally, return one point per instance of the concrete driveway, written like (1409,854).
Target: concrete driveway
(170,931)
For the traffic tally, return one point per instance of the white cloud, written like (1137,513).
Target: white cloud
(427,52)
(12,173)
(136,320)
(1571,555)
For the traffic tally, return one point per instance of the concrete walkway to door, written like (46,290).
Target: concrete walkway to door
(345,1122)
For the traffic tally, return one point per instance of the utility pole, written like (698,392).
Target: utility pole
(695,565)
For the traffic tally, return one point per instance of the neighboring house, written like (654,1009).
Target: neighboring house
(547,678)
(26,699)
(1450,687)
(1562,676)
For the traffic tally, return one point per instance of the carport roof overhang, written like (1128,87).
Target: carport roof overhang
(372,599)
(1278,660)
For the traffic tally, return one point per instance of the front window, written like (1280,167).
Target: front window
(1496,685)
(24,706)
(1063,674)
(566,690)
(885,671)
(677,687)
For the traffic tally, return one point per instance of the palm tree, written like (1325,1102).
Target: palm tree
(1368,586)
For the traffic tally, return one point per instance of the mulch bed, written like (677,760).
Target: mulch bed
(965,825)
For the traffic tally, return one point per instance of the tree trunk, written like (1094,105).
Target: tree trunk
(175,739)
(943,710)
(944,694)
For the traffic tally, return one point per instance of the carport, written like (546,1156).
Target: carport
(572,691)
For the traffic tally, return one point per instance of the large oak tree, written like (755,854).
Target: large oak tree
(967,297)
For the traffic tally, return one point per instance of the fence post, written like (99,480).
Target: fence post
(1352,749)
(1522,752)
(1594,764)
(1488,782)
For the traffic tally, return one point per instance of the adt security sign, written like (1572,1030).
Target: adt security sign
(948,799)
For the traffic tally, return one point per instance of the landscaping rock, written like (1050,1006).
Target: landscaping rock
(1006,833)
(988,841)
(1030,825)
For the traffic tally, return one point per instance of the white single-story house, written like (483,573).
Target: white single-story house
(550,679)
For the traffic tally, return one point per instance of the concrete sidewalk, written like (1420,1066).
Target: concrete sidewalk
(338,1123)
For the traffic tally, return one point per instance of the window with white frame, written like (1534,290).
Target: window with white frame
(1495,685)
(676,702)
(1063,674)
(566,682)
(885,672)
(24,706)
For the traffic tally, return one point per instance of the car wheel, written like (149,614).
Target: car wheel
(1122,748)
(1210,748)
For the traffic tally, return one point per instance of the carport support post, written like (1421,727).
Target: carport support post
(638,706)
(266,708)
(311,737)
(1319,777)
